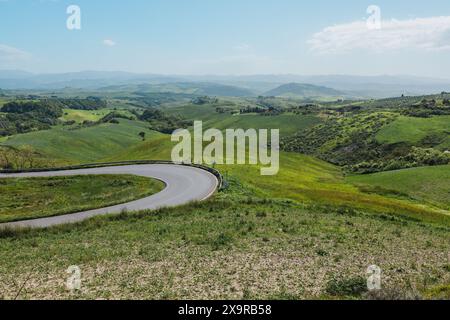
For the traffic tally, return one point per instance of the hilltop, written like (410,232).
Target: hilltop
(303,90)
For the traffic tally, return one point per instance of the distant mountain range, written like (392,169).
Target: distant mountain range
(284,85)
(16,79)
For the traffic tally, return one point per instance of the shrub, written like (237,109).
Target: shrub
(220,241)
(353,287)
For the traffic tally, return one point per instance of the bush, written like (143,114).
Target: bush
(159,121)
(90,103)
(220,241)
(204,100)
(417,157)
(69,123)
(351,287)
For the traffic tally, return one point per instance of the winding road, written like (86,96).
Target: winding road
(184,184)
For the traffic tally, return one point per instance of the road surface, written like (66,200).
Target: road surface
(183,185)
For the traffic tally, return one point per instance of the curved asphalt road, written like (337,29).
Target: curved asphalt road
(183,185)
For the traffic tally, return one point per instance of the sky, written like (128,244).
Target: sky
(228,37)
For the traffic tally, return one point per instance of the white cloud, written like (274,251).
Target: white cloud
(109,42)
(422,33)
(242,47)
(11,54)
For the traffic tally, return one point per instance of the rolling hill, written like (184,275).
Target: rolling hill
(303,90)
(311,214)
(361,86)
(86,144)
(425,184)
(314,181)
(190,88)
(415,130)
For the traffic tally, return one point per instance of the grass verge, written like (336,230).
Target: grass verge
(30,198)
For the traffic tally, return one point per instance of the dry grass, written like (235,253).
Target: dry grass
(225,250)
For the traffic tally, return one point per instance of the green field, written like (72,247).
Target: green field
(86,144)
(83,115)
(80,116)
(427,185)
(287,123)
(308,180)
(414,130)
(158,147)
(30,198)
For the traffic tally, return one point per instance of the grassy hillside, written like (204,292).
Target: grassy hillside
(301,178)
(235,246)
(84,115)
(42,197)
(80,116)
(428,184)
(287,123)
(309,180)
(159,147)
(414,130)
(86,144)
(371,141)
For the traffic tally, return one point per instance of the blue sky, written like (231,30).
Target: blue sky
(227,37)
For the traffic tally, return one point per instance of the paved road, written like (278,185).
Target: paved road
(183,185)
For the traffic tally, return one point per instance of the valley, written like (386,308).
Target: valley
(351,173)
